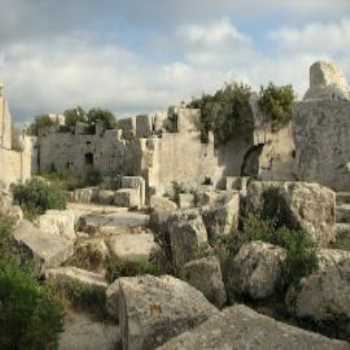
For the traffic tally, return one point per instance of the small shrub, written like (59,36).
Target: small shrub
(64,181)
(31,318)
(36,196)
(277,104)
(119,268)
(301,250)
(81,297)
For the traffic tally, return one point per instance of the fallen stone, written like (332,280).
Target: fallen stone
(132,247)
(222,218)
(324,296)
(127,198)
(44,251)
(152,310)
(59,223)
(307,206)
(83,333)
(205,275)
(241,328)
(257,270)
(187,233)
(106,197)
(85,195)
(138,183)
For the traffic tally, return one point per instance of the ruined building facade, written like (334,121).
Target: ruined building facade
(166,147)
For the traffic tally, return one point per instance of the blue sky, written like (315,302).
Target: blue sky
(140,56)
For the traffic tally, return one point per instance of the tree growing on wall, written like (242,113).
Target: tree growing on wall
(40,122)
(107,118)
(74,116)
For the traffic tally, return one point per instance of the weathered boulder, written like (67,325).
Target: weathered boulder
(241,328)
(59,223)
(307,206)
(83,333)
(42,249)
(127,198)
(205,275)
(186,233)
(71,274)
(132,247)
(327,81)
(112,299)
(186,200)
(153,310)
(106,197)
(324,296)
(222,218)
(257,269)
(160,204)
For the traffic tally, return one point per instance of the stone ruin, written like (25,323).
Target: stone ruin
(165,147)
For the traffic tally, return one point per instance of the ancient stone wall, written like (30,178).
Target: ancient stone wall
(322,134)
(5,124)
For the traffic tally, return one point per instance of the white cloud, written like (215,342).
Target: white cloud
(317,37)
(51,75)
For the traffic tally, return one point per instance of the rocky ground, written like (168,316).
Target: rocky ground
(186,302)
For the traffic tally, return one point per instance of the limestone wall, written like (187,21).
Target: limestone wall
(5,124)
(322,135)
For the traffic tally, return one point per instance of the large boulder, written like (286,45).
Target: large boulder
(112,299)
(205,275)
(186,233)
(222,217)
(132,247)
(41,249)
(257,270)
(127,198)
(154,309)
(83,333)
(324,296)
(59,223)
(138,184)
(307,206)
(241,328)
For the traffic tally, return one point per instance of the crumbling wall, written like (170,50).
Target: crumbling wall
(5,124)
(322,134)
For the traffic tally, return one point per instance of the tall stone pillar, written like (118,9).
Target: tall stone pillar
(5,122)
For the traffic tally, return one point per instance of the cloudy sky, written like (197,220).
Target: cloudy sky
(137,56)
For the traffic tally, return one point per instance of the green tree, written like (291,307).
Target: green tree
(74,116)
(96,115)
(277,104)
(40,122)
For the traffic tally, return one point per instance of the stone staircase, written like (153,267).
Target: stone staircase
(343,212)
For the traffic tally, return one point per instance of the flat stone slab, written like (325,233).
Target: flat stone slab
(241,328)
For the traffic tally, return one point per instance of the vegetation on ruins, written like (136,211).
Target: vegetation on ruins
(74,116)
(107,118)
(37,195)
(31,317)
(40,122)
(225,113)
(120,268)
(228,112)
(276,104)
